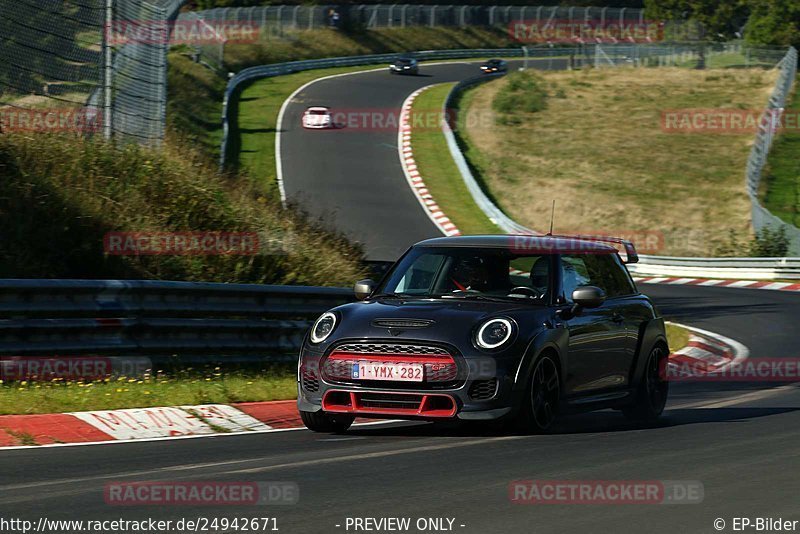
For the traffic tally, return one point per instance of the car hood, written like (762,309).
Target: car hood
(451,320)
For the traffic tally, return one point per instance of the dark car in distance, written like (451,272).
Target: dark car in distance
(494,65)
(404,65)
(479,328)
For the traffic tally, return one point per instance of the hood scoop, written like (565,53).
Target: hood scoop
(402,323)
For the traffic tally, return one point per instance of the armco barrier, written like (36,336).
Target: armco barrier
(159,320)
(738,268)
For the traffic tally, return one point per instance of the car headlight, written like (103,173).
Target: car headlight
(323,327)
(494,333)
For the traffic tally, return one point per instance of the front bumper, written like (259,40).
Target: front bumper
(485,390)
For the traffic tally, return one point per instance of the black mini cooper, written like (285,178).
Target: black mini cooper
(519,328)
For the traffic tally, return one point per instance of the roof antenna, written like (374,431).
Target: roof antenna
(552,216)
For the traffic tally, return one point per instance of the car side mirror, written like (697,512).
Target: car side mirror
(588,297)
(363,288)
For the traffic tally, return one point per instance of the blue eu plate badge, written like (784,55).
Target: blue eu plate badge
(355,370)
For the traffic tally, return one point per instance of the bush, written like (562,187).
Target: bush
(768,243)
(522,92)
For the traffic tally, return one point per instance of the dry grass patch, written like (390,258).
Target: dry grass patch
(599,150)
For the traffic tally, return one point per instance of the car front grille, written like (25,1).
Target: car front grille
(308,379)
(483,389)
(382,400)
(391,348)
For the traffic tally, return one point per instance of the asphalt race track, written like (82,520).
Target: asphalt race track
(351,176)
(739,440)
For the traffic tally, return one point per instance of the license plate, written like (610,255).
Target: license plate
(398,372)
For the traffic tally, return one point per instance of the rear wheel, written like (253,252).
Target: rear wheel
(651,396)
(541,402)
(326,422)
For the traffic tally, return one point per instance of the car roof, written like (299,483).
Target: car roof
(494,61)
(524,243)
(318,108)
(404,58)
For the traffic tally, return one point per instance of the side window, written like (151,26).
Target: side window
(607,273)
(623,285)
(419,277)
(574,273)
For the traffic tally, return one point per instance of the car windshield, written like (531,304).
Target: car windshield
(317,112)
(459,272)
(403,61)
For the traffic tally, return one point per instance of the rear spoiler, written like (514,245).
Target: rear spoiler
(630,251)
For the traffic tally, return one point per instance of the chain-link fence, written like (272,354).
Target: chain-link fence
(768,125)
(50,62)
(712,55)
(91,66)
(402,15)
(139,35)
(276,22)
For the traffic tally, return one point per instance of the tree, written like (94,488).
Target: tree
(718,20)
(774,22)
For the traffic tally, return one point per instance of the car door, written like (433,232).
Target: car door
(598,348)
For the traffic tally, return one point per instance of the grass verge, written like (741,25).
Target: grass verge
(598,149)
(61,194)
(187,388)
(677,337)
(296,45)
(194,105)
(437,168)
(781,185)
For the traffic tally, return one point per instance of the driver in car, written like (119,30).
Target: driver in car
(470,274)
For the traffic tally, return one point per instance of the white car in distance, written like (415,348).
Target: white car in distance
(317,117)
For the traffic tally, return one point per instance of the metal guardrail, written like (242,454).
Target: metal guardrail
(162,321)
(744,268)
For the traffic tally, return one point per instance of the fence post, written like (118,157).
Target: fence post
(108,69)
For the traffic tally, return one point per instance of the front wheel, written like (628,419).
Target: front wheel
(542,399)
(653,390)
(326,422)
